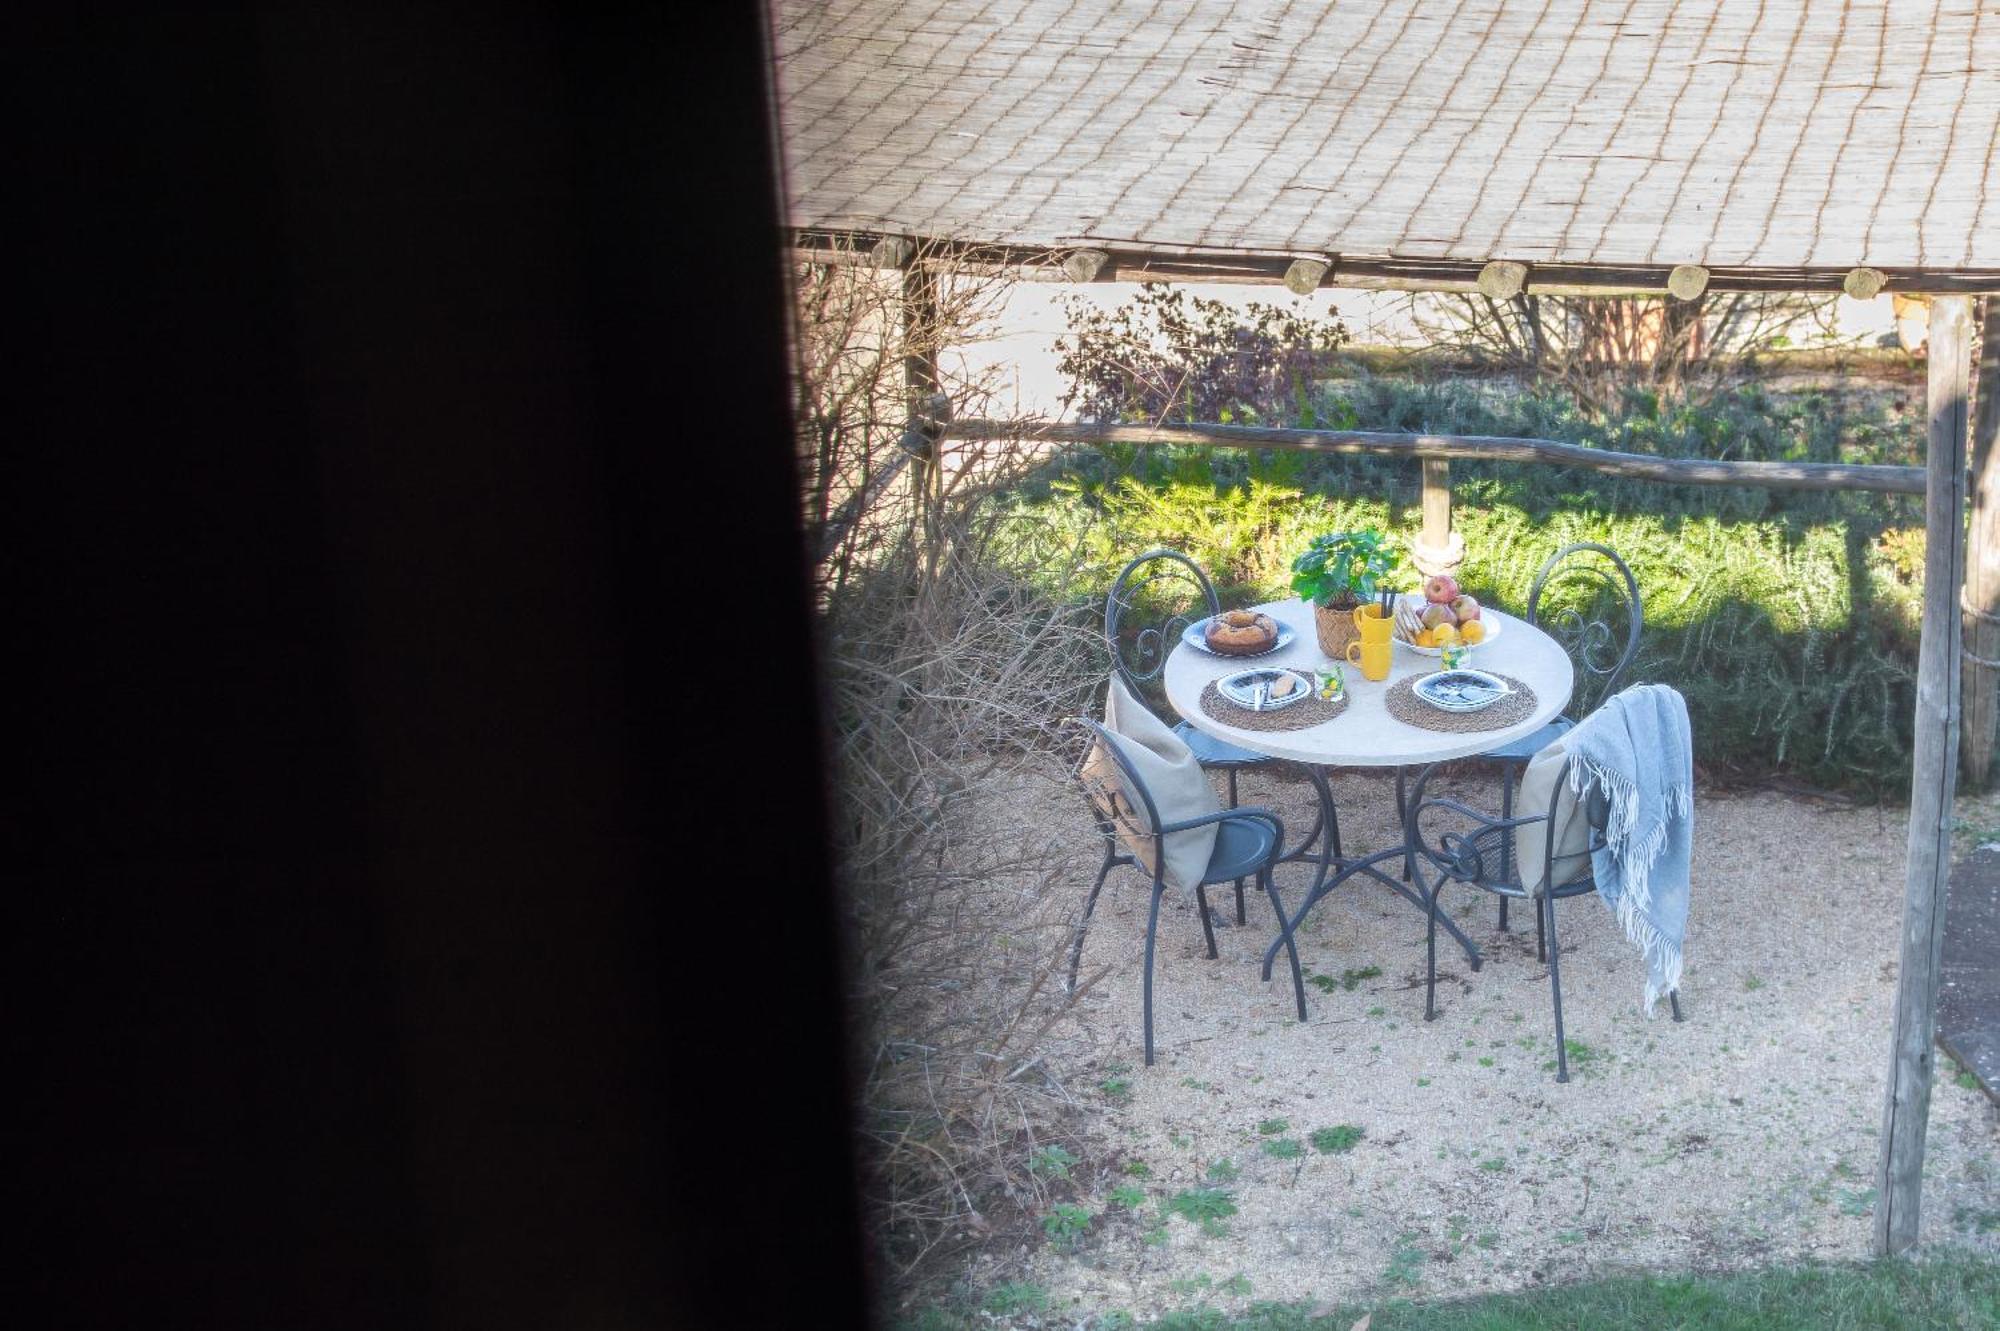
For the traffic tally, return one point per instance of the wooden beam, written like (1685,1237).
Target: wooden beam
(1933,778)
(1683,471)
(1864,283)
(1980,698)
(1085,265)
(893,251)
(1132,262)
(1687,282)
(1303,277)
(1501,279)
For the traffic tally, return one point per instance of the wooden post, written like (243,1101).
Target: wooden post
(1933,777)
(1981,698)
(1437,549)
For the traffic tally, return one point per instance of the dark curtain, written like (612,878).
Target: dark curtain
(396,940)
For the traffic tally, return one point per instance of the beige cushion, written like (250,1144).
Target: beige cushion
(1173,777)
(1538,792)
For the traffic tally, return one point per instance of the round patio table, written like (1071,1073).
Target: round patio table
(1366,735)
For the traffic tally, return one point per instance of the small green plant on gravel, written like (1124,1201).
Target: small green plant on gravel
(1155,1236)
(1194,1284)
(1857,1201)
(1271,1127)
(1238,1284)
(1569,1238)
(1326,984)
(1194,1085)
(1223,1171)
(1207,1207)
(1115,1320)
(1350,978)
(1494,1166)
(1343,1137)
(1752,983)
(1583,1058)
(1378,1012)
(1016,1297)
(1116,1089)
(1485,1061)
(1066,1224)
(1284,1148)
(1126,1196)
(1138,1169)
(1180,1139)
(1406,1262)
(1050,1162)
(1488,1240)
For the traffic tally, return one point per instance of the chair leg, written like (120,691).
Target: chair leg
(1674,1001)
(1541,938)
(1556,984)
(1507,837)
(1207,928)
(1152,931)
(1089,905)
(1431,949)
(1240,917)
(1402,813)
(1291,945)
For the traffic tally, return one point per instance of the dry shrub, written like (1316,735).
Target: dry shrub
(949,679)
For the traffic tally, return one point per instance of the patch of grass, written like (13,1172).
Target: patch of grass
(1271,1127)
(1066,1224)
(1223,1171)
(1126,1196)
(1752,983)
(1946,1290)
(1976,1220)
(1284,1148)
(1423,1081)
(1374,1011)
(1341,1138)
(1194,1085)
(1485,1060)
(1050,1162)
(1488,1240)
(1138,1169)
(1016,1297)
(1494,1166)
(1350,978)
(1238,1285)
(1155,1237)
(1180,1139)
(1194,1284)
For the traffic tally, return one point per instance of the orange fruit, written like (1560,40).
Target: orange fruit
(1444,635)
(1423,639)
(1472,632)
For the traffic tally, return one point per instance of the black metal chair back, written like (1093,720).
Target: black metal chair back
(1118,794)
(1153,601)
(1587,599)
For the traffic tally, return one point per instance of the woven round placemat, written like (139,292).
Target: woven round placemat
(1295,717)
(1406,707)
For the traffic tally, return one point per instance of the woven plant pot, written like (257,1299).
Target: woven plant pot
(1335,626)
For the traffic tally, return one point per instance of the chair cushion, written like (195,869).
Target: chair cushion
(1242,846)
(1541,794)
(1212,752)
(1526,747)
(1172,777)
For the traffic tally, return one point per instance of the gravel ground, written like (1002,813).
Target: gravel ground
(1744,1136)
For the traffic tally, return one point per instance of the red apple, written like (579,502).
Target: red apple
(1441,590)
(1436,614)
(1465,608)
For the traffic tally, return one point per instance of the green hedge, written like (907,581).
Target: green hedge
(1788,619)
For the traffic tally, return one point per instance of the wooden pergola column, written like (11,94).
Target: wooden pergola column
(1981,700)
(1933,779)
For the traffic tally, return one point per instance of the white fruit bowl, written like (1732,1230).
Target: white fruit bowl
(1414,601)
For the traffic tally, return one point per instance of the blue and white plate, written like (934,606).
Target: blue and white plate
(1191,635)
(1251,688)
(1461,690)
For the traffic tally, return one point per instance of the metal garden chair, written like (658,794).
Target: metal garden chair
(1249,841)
(1585,597)
(1480,853)
(1155,597)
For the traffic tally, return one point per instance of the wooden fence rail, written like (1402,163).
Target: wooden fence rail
(1684,471)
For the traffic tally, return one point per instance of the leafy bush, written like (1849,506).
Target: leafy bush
(1788,619)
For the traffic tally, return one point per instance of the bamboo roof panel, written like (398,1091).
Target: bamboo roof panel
(1787,134)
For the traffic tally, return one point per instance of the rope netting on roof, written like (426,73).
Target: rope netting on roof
(1783,134)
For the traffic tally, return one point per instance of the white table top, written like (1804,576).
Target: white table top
(1365,735)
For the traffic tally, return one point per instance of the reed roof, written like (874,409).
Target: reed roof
(1780,135)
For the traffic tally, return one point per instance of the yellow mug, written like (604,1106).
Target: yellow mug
(1372,657)
(1372,624)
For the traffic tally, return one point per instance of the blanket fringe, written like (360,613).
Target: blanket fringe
(1663,956)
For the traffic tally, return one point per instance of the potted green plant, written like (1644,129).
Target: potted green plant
(1338,572)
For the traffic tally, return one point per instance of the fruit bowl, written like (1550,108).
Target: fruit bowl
(1411,604)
